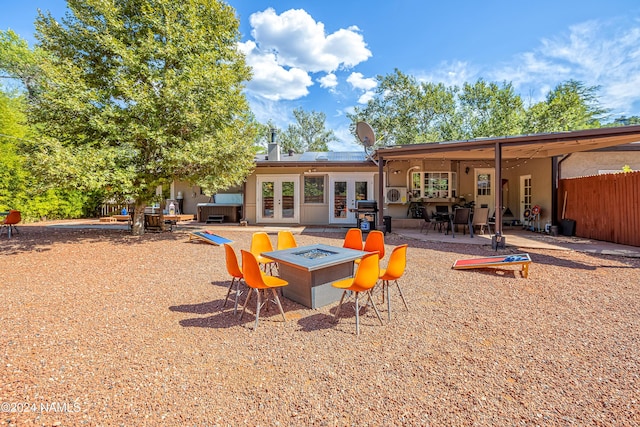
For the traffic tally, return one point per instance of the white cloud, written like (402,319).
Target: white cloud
(290,46)
(596,53)
(329,81)
(358,81)
(301,42)
(270,80)
(366,97)
(454,73)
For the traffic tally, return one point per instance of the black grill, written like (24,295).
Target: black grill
(366,206)
(367,214)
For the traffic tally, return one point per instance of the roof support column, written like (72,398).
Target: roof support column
(498,168)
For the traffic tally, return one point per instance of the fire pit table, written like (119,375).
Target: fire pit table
(310,270)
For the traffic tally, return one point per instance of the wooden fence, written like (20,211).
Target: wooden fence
(604,207)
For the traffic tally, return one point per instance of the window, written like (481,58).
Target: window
(436,185)
(314,189)
(484,184)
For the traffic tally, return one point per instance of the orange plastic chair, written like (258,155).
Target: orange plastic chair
(286,240)
(395,269)
(353,239)
(365,279)
(260,243)
(374,243)
(236,275)
(10,222)
(258,281)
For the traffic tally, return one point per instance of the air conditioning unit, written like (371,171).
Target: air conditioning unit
(397,195)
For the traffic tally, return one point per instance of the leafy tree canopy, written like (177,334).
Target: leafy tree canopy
(406,111)
(308,133)
(133,94)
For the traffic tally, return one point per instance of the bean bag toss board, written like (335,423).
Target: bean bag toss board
(208,237)
(500,261)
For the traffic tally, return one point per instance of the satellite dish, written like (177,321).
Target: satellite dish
(365,134)
(367,138)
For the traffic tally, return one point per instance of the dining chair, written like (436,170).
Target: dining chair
(461,217)
(364,280)
(286,240)
(10,221)
(260,243)
(481,219)
(259,283)
(353,239)
(422,213)
(234,270)
(374,243)
(395,269)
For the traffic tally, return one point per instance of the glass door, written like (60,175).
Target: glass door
(525,196)
(485,189)
(346,190)
(277,199)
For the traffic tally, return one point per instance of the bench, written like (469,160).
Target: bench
(215,218)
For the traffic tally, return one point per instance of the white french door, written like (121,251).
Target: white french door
(485,182)
(345,190)
(277,199)
(525,195)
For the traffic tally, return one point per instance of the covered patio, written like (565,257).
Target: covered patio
(508,152)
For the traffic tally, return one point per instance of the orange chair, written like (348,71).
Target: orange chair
(374,243)
(258,281)
(260,243)
(10,222)
(353,239)
(286,240)
(365,279)
(236,275)
(395,270)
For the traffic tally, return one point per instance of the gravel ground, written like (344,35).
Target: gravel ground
(100,328)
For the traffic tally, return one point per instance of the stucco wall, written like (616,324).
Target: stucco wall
(590,163)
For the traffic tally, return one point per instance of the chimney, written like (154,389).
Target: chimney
(273,149)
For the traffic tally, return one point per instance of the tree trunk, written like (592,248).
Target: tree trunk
(137,228)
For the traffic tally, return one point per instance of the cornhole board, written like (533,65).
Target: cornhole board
(209,237)
(495,261)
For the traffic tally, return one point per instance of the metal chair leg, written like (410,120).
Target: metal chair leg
(246,301)
(335,316)
(275,295)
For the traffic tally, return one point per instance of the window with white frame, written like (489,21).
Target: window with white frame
(434,185)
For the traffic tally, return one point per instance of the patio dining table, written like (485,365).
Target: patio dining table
(311,269)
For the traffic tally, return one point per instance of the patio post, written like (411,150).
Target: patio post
(498,180)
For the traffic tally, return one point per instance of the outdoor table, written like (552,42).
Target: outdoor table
(310,270)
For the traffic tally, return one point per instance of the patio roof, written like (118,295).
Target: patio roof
(548,145)
(516,147)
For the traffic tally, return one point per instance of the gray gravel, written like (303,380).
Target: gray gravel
(104,329)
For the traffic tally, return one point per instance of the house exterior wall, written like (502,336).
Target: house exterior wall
(396,174)
(310,214)
(539,169)
(591,162)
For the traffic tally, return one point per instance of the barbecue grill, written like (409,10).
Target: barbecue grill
(367,214)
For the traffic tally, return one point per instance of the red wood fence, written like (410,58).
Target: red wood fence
(605,207)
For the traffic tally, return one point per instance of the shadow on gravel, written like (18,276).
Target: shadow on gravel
(200,308)
(316,322)
(41,238)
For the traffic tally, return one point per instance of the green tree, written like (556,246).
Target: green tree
(405,111)
(569,106)
(308,133)
(490,110)
(136,93)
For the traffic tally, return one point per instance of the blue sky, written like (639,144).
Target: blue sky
(324,55)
